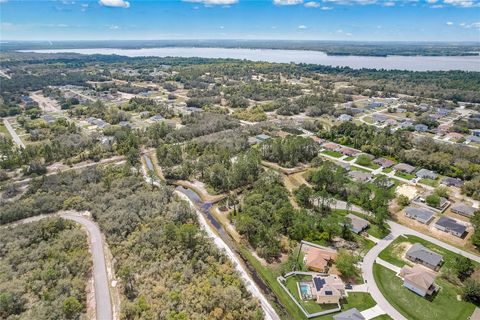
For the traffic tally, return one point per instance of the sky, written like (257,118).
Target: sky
(352,20)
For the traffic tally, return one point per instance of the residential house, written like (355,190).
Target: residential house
(391,122)
(474,139)
(344,117)
(426,174)
(426,257)
(331,146)
(463,209)
(406,124)
(419,280)
(358,224)
(420,214)
(421,127)
(374,105)
(379,118)
(384,163)
(450,225)
(403,167)
(348,151)
(320,260)
(262,137)
(452,182)
(157,118)
(400,110)
(384,183)
(48,119)
(455,136)
(360,176)
(476,132)
(350,314)
(329,289)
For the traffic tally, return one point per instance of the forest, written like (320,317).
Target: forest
(45,267)
(167,266)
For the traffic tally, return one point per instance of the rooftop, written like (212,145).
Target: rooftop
(451,224)
(418,251)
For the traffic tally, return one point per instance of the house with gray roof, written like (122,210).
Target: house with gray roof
(421,127)
(426,257)
(403,167)
(452,182)
(350,314)
(360,176)
(450,225)
(463,209)
(426,174)
(344,117)
(384,163)
(379,118)
(262,137)
(358,224)
(420,214)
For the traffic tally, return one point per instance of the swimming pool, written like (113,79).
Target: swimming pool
(304,289)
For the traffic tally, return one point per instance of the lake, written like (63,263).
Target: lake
(412,63)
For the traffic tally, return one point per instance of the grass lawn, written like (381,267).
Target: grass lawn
(4,131)
(369,165)
(356,168)
(332,153)
(430,182)
(407,176)
(349,158)
(444,305)
(393,251)
(387,170)
(382,317)
(360,300)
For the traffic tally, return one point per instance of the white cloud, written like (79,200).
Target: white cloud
(438,6)
(114,27)
(213,2)
(475,25)
(389,4)
(351,2)
(449,23)
(326,8)
(432,1)
(287,2)
(3,1)
(312,4)
(6,26)
(114,3)
(302,27)
(463,3)
(222,27)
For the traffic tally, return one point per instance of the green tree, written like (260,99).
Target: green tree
(346,263)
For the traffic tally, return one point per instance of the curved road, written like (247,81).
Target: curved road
(100,278)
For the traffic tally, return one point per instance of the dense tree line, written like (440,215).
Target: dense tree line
(289,151)
(45,269)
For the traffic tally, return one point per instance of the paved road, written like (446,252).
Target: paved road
(14,135)
(100,277)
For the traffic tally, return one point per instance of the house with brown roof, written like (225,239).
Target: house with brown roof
(331,146)
(321,260)
(419,280)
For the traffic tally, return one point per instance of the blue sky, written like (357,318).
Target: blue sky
(382,20)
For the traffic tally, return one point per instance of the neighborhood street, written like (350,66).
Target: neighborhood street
(12,132)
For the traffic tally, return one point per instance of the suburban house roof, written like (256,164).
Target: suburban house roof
(319,258)
(348,151)
(360,176)
(331,146)
(419,276)
(420,214)
(421,127)
(418,251)
(350,314)
(330,285)
(404,167)
(424,173)
(358,224)
(263,137)
(463,209)
(449,181)
(384,162)
(344,117)
(379,117)
(451,224)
